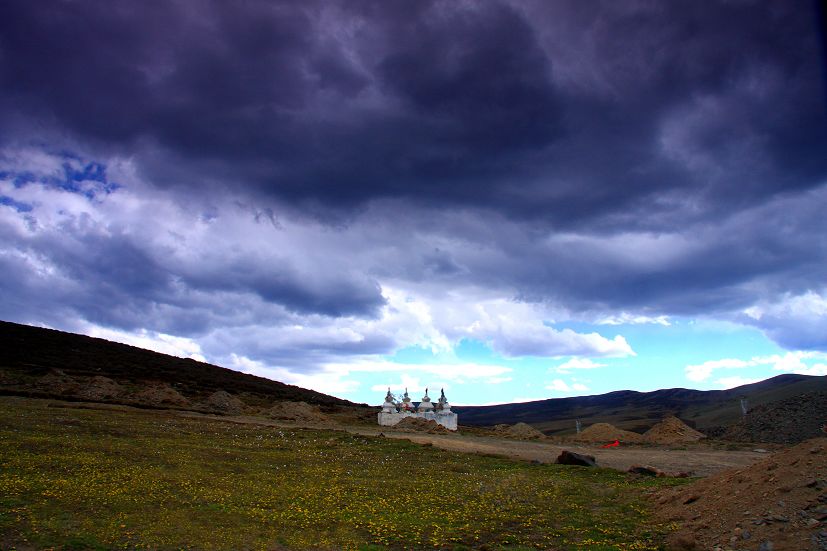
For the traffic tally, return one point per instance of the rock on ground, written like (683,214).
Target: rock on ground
(572,458)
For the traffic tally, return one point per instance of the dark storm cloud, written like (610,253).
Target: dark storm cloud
(559,113)
(665,158)
(65,256)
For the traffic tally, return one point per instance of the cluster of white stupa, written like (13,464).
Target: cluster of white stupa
(393,411)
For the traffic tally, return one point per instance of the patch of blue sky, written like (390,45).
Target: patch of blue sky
(16,205)
(18,179)
(75,176)
(662,354)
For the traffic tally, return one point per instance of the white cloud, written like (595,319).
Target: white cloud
(559,385)
(793,321)
(577,363)
(790,362)
(498,380)
(579,387)
(625,318)
(150,340)
(703,371)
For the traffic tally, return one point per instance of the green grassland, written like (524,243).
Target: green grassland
(90,479)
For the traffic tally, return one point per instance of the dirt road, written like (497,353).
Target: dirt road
(697,462)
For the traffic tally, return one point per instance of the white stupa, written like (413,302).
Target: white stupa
(425,405)
(389,406)
(392,412)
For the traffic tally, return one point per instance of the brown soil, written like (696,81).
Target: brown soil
(298,412)
(781,499)
(672,431)
(58,382)
(160,394)
(224,402)
(520,431)
(418,424)
(604,432)
(100,388)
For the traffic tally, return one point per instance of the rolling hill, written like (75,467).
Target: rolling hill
(41,362)
(637,411)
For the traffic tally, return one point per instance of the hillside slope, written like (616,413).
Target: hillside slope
(638,411)
(44,362)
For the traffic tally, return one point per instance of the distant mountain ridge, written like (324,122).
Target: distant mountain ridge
(637,411)
(40,362)
(45,362)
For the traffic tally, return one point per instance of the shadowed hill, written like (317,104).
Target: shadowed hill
(637,411)
(31,356)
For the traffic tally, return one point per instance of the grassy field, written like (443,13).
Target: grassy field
(91,479)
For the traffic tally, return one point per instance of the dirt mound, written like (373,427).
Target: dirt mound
(783,422)
(299,412)
(225,402)
(57,382)
(418,424)
(605,432)
(781,499)
(100,388)
(520,431)
(672,431)
(160,394)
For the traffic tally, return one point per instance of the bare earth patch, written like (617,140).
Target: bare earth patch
(781,499)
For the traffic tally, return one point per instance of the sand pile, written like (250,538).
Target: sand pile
(418,424)
(100,388)
(160,394)
(299,412)
(781,499)
(605,432)
(225,402)
(519,431)
(672,431)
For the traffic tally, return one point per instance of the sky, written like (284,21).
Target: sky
(511,200)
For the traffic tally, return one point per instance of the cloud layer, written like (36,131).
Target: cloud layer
(298,185)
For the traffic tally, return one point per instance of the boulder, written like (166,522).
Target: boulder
(572,458)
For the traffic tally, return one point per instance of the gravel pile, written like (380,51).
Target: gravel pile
(783,422)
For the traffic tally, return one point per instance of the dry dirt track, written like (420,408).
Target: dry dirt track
(696,461)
